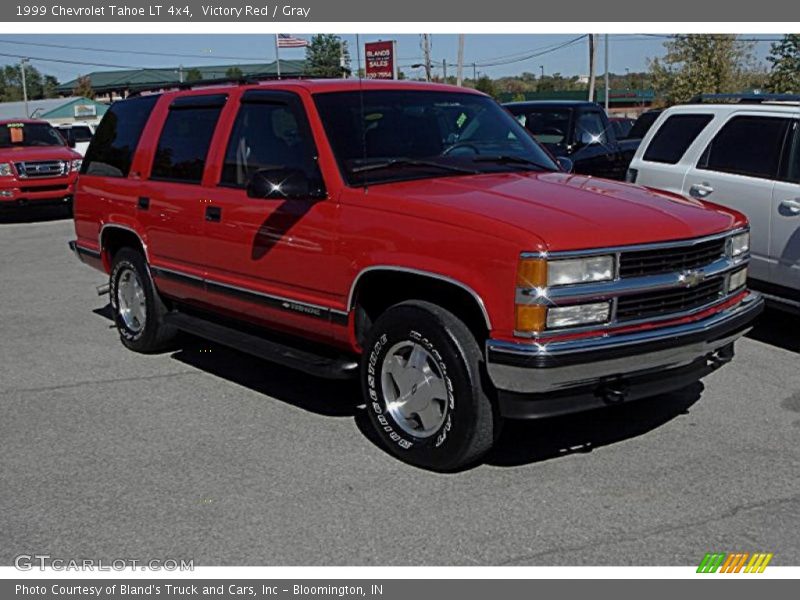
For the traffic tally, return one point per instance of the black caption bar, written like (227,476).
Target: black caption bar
(356,11)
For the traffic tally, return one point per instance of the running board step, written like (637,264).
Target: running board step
(287,356)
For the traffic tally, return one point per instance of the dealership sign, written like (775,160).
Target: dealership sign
(381,61)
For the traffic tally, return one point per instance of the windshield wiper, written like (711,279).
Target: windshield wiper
(510,159)
(410,162)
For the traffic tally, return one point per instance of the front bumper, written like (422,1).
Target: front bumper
(18,193)
(538,379)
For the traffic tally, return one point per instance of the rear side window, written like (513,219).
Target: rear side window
(747,145)
(111,152)
(186,137)
(793,162)
(674,136)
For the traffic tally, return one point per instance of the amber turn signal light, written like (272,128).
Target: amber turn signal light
(530,317)
(532,273)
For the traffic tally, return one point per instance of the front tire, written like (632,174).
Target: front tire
(138,310)
(421,379)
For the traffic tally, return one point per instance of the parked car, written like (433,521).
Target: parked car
(621,126)
(743,155)
(643,124)
(36,165)
(414,236)
(579,131)
(78,135)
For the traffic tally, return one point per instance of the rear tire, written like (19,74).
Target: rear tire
(138,310)
(422,383)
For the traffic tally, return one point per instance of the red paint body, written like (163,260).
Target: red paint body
(15,189)
(470,229)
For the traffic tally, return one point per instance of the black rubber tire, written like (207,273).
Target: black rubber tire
(471,424)
(155,336)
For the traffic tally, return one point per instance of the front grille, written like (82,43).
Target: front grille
(44,188)
(47,168)
(638,263)
(666,302)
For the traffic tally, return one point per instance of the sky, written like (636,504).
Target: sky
(495,55)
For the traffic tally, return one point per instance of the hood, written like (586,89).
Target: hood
(568,212)
(31,153)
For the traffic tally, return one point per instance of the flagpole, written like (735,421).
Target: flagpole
(277,57)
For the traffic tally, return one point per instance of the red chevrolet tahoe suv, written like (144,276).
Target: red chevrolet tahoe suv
(36,165)
(412,235)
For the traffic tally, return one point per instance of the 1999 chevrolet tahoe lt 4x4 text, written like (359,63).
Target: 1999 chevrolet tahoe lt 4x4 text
(414,235)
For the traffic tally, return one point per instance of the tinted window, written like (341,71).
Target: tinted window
(81,133)
(793,166)
(643,124)
(393,135)
(747,146)
(590,129)
(29,134)
(185,140)
(673,138)
(268,135)
(111,151)
(547,125)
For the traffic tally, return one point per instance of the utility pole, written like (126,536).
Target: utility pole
(592,51)
(606,49)
(180,73)
(444,70)
(542,68)
(474,72)
(426,51)
(460,69)
(24,86)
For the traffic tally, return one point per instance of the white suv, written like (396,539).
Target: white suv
(745,156)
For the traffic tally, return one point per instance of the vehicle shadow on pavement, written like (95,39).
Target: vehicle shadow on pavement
(35,214)
(777,328)
(523,442)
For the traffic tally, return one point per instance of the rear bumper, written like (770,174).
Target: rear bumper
(539,379)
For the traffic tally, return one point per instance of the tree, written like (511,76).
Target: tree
(83,87)
(234,73)
(324,56)
(194,74)
(486,85)
(696,64)
(785,60)
(38,86)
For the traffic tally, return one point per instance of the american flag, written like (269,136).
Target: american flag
(287,41)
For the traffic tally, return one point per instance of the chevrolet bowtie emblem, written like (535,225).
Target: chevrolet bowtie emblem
(692,278)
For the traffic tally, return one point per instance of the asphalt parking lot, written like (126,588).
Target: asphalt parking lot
(208,454)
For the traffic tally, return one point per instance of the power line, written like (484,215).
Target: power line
(74,62)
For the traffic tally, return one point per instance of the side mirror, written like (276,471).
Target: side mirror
(284,184)
(566,164)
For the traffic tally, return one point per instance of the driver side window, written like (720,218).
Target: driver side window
(266,136)
(589,129)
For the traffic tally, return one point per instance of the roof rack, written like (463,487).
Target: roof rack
(203,83)
(750,98)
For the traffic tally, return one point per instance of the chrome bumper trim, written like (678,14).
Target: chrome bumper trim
(549,366)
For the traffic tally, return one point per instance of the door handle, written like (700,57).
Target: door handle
(213,214)
(700,190)
(144,203)
(791,206)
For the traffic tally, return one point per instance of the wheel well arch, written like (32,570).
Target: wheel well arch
(377,288)
(114,237)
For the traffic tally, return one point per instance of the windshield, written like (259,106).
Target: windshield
(547,125)
(391,135)
(29,134)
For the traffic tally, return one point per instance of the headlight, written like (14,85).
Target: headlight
(580,314)
(5,170)
(580,270)
(76,164)
(737,280)
(740,244)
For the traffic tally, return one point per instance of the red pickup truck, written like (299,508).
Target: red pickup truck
(414,236)
(36,165)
